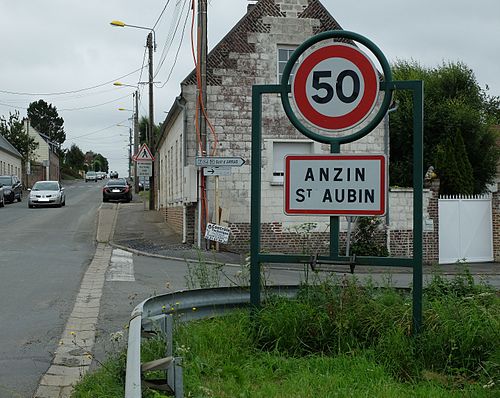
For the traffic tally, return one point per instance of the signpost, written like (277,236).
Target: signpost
(349,185)
(214,161)
(334,93)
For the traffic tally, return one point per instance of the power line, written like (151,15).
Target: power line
(95,106)
(167,48)
(161,14)
(74,91)
(97,131)
(177,53)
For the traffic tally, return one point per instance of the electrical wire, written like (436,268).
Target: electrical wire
(97,131)
(177,53)
(73,91)
(161,14)
(95,106)
(170,38)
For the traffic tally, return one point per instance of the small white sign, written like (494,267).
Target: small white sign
(217,233)
(216,171)
(144,169)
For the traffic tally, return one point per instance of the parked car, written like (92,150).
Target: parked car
(12,188)
(144,184)
(101,175)
(91,176)
(117,189)
(113,174)
(2,199)
(46,193)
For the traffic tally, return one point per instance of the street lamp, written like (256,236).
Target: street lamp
(150,44)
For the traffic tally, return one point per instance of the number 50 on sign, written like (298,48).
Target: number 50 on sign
(335,87)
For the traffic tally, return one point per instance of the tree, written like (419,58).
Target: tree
(143,130)
(458,139)
(75,158)
(13,131)
(46,120)
(100,163)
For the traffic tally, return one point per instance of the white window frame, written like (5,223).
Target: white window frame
(290,49)
(276,173)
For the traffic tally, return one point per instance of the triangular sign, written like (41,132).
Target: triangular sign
(144,154)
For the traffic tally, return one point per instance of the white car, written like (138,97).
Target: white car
(46,193)
(91,176)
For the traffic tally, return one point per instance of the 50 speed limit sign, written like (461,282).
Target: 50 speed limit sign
(335,87)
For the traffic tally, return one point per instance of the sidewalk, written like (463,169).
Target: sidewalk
(145,232)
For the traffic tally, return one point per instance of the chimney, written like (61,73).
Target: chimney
(250,7)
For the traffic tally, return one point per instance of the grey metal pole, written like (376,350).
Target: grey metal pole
(136,139)
(130,152)
(149,43)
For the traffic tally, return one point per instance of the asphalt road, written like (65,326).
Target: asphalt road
(44,253)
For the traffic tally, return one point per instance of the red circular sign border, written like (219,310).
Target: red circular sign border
(364,107)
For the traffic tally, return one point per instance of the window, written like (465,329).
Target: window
(284,54)
(280,149)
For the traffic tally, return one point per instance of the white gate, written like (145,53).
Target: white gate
(465,229)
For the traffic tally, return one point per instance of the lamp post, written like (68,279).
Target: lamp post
(151,45)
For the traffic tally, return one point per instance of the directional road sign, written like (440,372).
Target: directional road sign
(350,185)
(144,154)
(217,171)
(214,161)
(335,87)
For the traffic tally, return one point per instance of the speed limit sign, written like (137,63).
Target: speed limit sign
(335,87)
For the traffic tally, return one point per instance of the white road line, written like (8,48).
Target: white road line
(121,267)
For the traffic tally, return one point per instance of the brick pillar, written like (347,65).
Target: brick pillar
(431,239)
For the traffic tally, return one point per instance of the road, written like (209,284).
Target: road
(43,255)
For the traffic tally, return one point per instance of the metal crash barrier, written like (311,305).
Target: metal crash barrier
(157,315)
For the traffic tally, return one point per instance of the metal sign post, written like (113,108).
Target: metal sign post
(333,90)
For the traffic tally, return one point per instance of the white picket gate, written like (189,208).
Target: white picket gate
(465,229)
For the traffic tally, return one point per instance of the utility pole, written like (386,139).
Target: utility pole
(130,152)
(136,139)
(202,95)
(151,138)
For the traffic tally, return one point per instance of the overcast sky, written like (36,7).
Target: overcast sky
(55,46)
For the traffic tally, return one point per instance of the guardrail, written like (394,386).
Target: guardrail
(159,311)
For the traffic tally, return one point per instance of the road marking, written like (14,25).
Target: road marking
(121,267)
(73,356)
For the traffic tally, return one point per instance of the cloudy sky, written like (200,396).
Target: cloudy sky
(67,53)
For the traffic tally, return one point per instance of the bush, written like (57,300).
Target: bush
(460,333)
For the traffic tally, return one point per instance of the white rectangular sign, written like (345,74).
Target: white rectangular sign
(216,171)
(144,169)
(214,161)
(349,185)
(217,233)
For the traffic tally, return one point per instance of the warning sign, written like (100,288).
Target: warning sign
(144,154)
(335,184)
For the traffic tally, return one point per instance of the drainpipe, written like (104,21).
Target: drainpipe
(178,100)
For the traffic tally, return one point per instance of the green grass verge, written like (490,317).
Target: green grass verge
(332,341)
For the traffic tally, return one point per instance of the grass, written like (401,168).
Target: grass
(342,341)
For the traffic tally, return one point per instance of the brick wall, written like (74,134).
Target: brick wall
(173,217)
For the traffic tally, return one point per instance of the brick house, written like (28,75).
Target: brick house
(255,52)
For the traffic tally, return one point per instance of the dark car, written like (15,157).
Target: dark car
(12,188)
(117,189)
(113,174)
